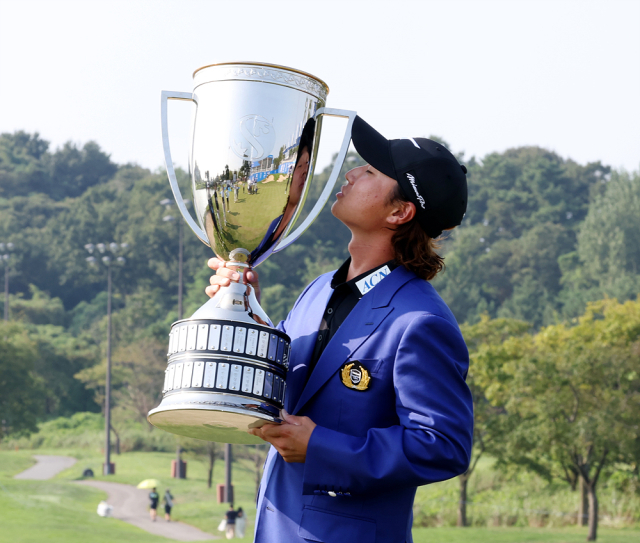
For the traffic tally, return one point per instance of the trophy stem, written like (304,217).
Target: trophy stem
(237,303)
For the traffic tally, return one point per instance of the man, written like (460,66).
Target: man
(168,504)
(230,516)
(153,506)
(376,382)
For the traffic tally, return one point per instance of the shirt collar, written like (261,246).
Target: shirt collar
(364,282)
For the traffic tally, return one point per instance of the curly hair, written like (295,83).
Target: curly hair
(413,247)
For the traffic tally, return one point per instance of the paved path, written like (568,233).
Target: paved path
(130,504)
(46,467)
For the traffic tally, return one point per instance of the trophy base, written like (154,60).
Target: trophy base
(226,371)
(222,418)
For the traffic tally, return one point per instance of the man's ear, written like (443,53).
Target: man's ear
(402,213)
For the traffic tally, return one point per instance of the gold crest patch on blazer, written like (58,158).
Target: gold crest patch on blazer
(355,375)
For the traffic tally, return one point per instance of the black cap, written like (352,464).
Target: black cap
(428,175)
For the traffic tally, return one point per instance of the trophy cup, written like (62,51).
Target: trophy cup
(254,143)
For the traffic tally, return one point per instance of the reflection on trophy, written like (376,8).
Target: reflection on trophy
(254,144)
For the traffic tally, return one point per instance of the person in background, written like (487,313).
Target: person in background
(231,516)
(168,504)
(153,508)
(241,523)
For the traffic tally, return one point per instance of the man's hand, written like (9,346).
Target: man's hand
(290,438)
(225,275)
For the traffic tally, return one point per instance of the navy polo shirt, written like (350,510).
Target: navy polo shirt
(344,298)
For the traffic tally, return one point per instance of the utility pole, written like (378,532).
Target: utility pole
(108,468)
(228,489)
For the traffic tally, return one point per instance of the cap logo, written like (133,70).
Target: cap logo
(412,180)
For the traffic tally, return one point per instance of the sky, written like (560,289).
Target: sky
(485,75)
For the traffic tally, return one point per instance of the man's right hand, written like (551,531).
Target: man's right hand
(225,275)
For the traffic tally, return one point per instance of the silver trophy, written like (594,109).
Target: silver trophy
(254,143)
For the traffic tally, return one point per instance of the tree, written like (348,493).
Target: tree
(22,168)
(21,389)
(74,170)
(524,209)
(489,421)
(607,259)
(574,392)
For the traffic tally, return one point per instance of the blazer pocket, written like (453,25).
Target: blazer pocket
(331,527)
(373,365)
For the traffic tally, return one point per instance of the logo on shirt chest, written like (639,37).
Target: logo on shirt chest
(354,375)
(370,281)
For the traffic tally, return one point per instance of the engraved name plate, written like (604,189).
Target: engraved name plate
(198,373)
(273,347)
(182,338)
(203,332)
(177,378)
(268,384)
(214,337)
(258,384)
(238,340)
(187,373)
(263,344)
(223,375)
(165,387)
(247,379)
(235,377)
(280,353)
(209,374)
(226,340)
(191,337)
(252,341)
(170,373)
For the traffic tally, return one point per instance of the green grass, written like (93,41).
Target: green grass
(521,535)
(58,510)
(195,504)
(249,217)
(55,511)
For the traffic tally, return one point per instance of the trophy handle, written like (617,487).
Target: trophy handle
(337,166)
(188,97)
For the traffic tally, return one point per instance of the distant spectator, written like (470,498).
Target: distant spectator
(154,497)
(231,516)
(241,523)
(168,504)
(104,509)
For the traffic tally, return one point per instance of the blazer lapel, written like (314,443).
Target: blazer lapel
(361,323)
(305,329)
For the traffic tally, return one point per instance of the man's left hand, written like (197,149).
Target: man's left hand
(290,438)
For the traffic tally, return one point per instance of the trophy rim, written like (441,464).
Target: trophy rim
(266,65)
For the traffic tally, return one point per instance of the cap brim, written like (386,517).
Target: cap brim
(373,147)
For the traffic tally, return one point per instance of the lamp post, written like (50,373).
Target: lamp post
(108,468)
(6,248)
(167,203)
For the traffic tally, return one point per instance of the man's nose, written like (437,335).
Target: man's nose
(349,176)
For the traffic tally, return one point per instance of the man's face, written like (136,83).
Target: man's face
(299,178)
(363,203)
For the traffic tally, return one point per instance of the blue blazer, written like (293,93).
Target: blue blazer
(371,448)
